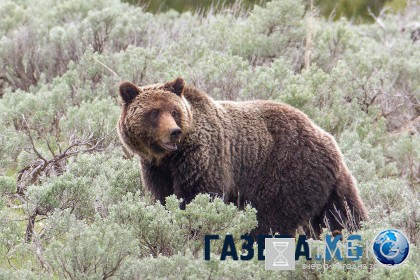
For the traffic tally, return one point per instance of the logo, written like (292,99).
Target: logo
(280,254)
(391,247)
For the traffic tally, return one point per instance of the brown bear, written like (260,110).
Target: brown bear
(264,153)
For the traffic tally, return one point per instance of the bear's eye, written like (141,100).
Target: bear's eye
(154,113)
(174,113)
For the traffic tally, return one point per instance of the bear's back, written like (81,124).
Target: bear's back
(267,138)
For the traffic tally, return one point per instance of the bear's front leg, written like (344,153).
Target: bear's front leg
(191,178)
(190,186)
(157,180)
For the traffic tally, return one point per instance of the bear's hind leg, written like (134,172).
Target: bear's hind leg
(344,208)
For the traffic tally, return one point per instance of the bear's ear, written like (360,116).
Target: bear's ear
(176,86)
(128,92)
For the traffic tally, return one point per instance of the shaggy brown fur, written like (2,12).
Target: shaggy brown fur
(264,153)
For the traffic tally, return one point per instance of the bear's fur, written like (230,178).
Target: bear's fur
(264,153)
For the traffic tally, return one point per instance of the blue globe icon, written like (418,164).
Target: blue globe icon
(391,247)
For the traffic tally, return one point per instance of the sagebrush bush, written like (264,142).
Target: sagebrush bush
(72,204)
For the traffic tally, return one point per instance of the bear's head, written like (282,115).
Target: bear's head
(154,119)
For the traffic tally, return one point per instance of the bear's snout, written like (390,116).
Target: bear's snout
(174,138)
(175,134)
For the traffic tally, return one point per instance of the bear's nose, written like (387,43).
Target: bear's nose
(175,133)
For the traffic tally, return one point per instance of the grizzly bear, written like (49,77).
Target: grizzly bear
(263,153)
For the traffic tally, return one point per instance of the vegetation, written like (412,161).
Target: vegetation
(72,205)
(355,10)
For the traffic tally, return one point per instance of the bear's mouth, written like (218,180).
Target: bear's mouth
(170,146)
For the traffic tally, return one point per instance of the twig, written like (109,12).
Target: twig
(109,69)
(32,140)
(8,259)
(39,252)
(377,19)
(309,37)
